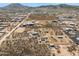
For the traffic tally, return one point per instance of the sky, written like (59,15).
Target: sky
(36,4)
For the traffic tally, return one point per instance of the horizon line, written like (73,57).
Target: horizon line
(38,4)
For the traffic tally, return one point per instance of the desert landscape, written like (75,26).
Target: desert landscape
(47,30)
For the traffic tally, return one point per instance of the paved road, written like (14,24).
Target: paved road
(4,38)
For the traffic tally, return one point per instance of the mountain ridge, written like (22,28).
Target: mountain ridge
(15,5)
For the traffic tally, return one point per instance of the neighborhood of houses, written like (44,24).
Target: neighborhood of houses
(60,33)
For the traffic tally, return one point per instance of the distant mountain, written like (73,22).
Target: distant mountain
(60,5)
(15,5)
(48,6)
(63,5)
(19,6)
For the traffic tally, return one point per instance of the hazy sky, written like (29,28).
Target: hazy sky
(37,4)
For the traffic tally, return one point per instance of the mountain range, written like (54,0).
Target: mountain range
(17,7)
